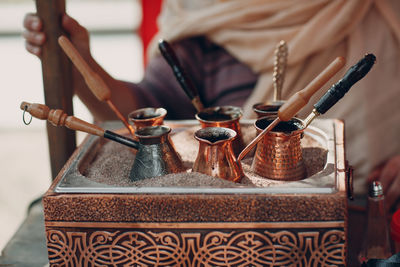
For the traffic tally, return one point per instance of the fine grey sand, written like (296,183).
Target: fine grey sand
(112,163)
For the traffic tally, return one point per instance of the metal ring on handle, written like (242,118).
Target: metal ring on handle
(23,116)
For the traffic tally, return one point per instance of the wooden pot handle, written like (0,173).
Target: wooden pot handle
(95,83)
(297,101)
(58,117)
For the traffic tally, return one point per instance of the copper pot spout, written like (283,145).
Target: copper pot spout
(224,116)
(216,157)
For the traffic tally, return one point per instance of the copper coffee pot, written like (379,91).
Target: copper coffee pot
(145,117)
(155,156)
(215,156)
(278,155)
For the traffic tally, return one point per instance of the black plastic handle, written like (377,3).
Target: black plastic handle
(121,139)
(180,74)
(339,89)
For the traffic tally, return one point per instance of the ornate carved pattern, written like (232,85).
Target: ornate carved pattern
(161,247)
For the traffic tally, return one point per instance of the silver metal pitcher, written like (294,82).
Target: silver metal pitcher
(156,155)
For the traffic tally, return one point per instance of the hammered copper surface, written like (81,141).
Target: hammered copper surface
(225,116)
(216,156)
(278,155)
(145,117)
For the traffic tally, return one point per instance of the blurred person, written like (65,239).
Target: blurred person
(227,48)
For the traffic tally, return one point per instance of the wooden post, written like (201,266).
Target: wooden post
(57,82)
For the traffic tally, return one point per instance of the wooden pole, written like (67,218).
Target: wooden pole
(57,82)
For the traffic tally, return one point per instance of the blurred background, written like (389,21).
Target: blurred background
(24,156)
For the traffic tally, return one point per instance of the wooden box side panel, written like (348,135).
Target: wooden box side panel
(197,244)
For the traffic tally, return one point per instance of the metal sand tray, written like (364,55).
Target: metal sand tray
(297,223)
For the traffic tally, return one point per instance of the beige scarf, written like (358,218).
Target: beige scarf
(316,31)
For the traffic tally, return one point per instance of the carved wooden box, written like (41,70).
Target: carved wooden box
(302,223)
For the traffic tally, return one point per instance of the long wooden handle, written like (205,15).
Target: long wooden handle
(95,83)
(58,117)
(297,101)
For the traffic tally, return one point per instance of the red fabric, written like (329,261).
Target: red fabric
(395,226)
(150,11)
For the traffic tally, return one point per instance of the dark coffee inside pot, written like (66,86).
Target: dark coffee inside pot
(215,116)
(283,126)
(224,113)
(146,113)
(214,136)
(145,116)
(269,108)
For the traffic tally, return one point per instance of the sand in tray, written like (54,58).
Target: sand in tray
(113,162)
